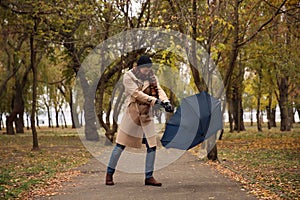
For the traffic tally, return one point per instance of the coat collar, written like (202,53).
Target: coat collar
(141,84)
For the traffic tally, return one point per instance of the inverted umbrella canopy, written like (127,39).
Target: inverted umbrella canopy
(197,118)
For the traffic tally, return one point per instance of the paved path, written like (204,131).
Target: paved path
(187,178)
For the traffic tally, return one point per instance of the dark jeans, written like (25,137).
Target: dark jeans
(117,151)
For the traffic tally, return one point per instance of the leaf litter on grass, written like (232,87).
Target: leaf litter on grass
(25,173)
(266,164)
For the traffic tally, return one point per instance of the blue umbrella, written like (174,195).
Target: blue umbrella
(197,118)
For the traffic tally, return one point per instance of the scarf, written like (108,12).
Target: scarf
(147,77)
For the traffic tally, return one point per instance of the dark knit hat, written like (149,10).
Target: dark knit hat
(144,61)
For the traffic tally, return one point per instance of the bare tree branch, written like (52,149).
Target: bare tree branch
(144,6)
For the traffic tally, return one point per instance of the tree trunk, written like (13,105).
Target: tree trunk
(230,118)
(64,118)
(234,99)
(17,111)
(19,107)
(237,95)
(251,117)
(259,128)
(291,116)
(19,123)
(271,112)
(90,130)
(37,120)
(269,116)
(237,110)
(234,46)
(10,119)
(75,118)
(285,124)
(213,153)
(111,130)
(48,114)
(298,110)
(9,124)
(273,117)
(57,117)
(35,144)
(74,114)
(283,86)
(1,122)
(27,120)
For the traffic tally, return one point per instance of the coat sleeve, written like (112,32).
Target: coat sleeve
(132,89)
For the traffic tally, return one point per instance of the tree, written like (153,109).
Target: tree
(33,66)
(284,39)
(66,24)
(31,13)
(106,88)
(77,29)
(231,24)
(14,43)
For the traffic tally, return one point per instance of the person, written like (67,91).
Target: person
(137,126)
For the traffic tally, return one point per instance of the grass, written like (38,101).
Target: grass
(22,170)
(268,160)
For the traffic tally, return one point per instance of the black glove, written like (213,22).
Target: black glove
(158,102)
(168,107)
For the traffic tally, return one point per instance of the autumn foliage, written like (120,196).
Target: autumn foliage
(265,163)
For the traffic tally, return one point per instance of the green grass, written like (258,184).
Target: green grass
(270,159)
(22,169)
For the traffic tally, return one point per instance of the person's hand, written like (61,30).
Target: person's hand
(158,102)
(168,107)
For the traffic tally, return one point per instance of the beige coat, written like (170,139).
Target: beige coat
(138,117)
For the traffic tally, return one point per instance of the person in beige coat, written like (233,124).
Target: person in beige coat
(142,91)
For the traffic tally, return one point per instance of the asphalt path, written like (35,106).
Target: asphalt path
(186,178)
